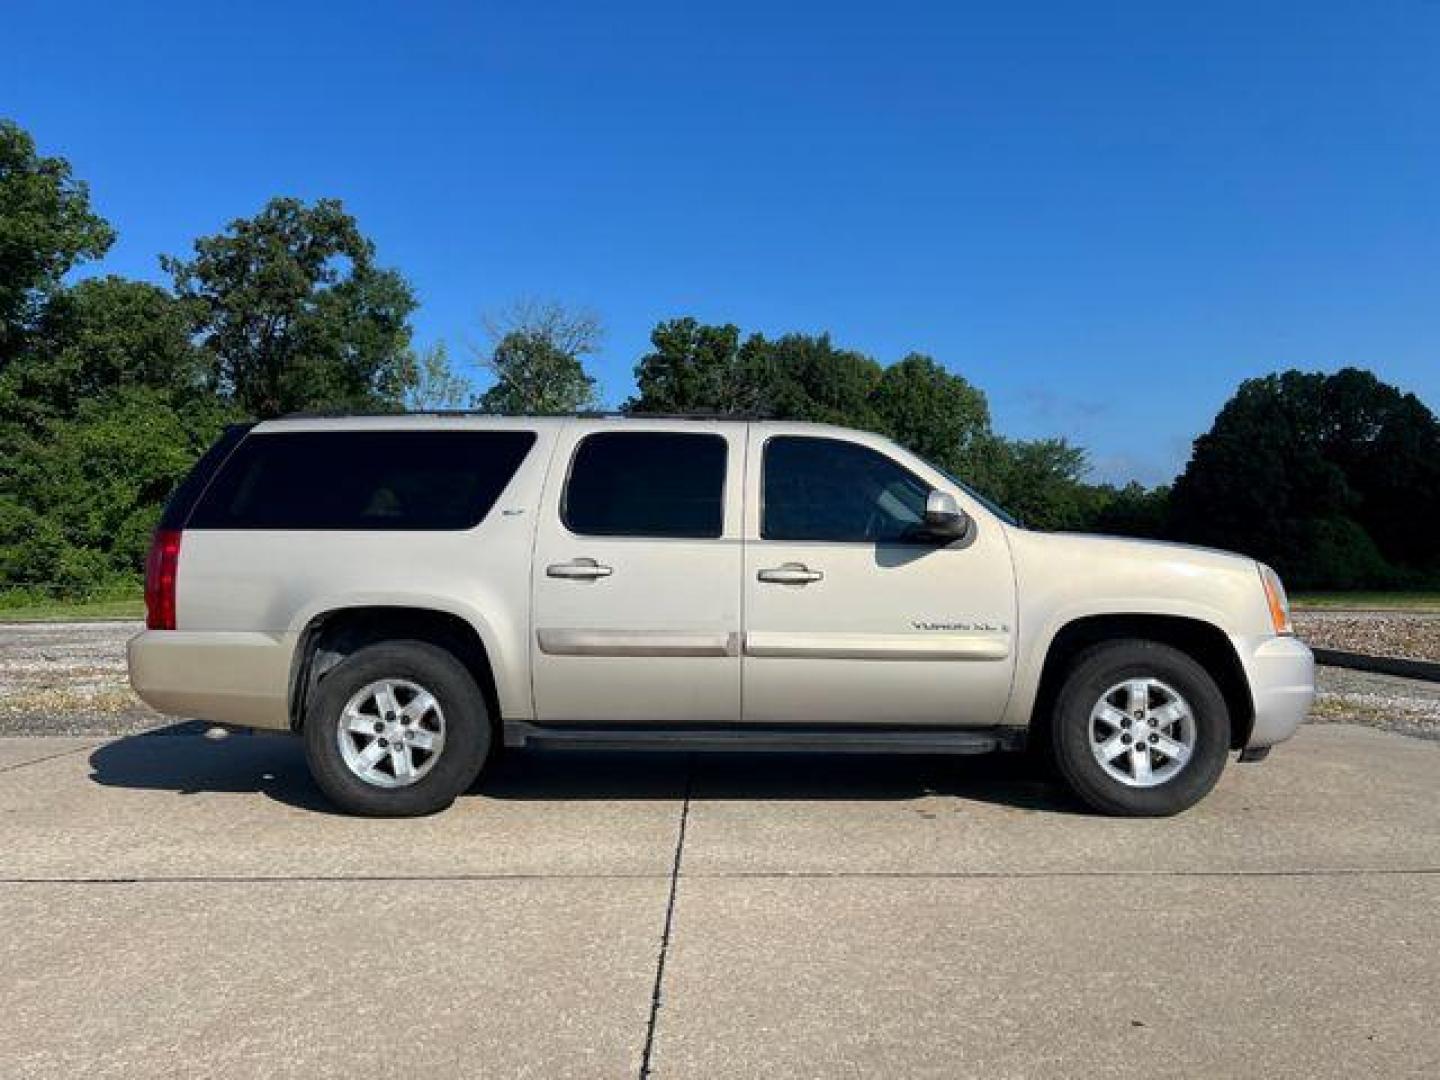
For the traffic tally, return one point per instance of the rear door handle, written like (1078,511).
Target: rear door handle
(578,570)
(792,573)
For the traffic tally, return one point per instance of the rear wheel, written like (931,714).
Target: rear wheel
(1140,729)
(396,729)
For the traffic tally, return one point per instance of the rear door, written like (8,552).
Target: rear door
(636,576)
(847,619)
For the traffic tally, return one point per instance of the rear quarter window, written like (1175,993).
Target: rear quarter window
(184,498)
(362,480)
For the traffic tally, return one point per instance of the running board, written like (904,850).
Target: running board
(831,740)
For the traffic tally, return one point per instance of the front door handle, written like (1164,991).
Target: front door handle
(792,573)
(578,570)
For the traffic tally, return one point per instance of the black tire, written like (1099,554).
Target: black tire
(1104,666)
(467,729)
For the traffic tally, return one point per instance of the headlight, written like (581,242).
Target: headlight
(1278,601)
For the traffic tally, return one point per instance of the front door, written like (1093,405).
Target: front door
(636,576)
(849,618)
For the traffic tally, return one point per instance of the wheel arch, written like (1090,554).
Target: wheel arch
(1204,642)
(330,636)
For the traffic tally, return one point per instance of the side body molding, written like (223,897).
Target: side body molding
(829,646)
(810,646)
(558,642)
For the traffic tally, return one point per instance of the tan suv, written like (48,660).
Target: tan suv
(411,592)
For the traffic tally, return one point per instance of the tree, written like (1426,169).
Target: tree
(692,367)
(295,312)
(805,377)
(1133,510)
(1256,477)
(103,399)
(917,402)
(46,228)
(696,367)
(83,492)
(536,360)
(432,384)
(938,415)
(101,335)
(1333,479)
(1387,443)
(101,413)
(1040,481)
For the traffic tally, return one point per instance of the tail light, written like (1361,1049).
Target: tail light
(161,569)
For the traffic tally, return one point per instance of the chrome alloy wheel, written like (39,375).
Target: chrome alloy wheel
(1142,732)
(391,733)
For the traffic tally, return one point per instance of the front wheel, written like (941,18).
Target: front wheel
(1140,729)
(396,729)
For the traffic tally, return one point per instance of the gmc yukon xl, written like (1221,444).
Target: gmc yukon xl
(411,593)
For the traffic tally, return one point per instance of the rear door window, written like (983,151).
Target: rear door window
(647,483)
(362,480)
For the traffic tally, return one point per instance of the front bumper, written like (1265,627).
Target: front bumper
(1281,674)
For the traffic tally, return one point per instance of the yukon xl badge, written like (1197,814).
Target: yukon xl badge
(963,627)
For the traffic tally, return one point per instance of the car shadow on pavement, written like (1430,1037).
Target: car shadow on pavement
(182,759)
(1008,779)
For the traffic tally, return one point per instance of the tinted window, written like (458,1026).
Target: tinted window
(828,489)
(647,483)
(362,480)
(182,501)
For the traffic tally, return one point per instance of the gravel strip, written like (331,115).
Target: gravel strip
(69,679)
(1413,635)
(1404,706)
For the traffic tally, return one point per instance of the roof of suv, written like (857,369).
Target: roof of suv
(585,414)
(464,419)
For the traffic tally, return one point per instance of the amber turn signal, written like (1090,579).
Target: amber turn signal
(1276,598)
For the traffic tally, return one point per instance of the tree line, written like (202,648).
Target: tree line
(110,388)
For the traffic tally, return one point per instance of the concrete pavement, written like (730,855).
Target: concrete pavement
(178,906)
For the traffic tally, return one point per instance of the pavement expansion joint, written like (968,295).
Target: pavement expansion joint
(657,994)
(49,757)
(324,879)
(1047,875)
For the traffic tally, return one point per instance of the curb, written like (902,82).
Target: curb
(1428,670)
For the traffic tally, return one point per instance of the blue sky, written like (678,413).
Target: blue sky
(1103,214)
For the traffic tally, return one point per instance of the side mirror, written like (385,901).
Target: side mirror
(944,520)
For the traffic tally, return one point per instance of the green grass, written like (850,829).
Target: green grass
(1385,601)
(41,610)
